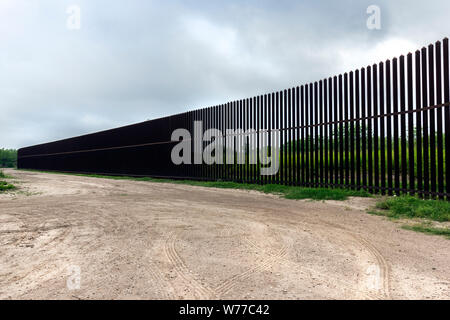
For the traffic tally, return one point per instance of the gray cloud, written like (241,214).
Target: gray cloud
(137,60)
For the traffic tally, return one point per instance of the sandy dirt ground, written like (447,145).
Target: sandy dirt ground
(70,237)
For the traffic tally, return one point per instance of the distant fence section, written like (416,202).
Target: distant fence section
(384,128)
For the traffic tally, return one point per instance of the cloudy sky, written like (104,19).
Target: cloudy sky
(137,60)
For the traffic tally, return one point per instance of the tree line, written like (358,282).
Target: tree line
(8,158)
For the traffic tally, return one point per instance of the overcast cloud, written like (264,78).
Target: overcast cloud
(137,60)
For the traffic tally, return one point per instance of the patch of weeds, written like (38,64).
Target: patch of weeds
(5,186)
(377,213)
(426,228)
(412,207)
(323,194)
(288,192)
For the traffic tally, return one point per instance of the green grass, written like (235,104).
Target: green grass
(288,192)
(323,194)
(412,207)
(424,228)
(8,158)
(4,186)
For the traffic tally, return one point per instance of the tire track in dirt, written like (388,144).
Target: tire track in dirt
(235,280)
(359,241)
(159,282)
(384,276)
(343,284)
(352,238)
(339,232)
(279,256)
(266,264)
(188,277)
(227,285)
(109,220)
(333,260)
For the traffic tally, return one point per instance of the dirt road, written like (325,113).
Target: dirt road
(131,239)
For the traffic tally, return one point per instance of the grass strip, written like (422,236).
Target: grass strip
(288,192)
(413,207)
(429,230)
